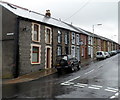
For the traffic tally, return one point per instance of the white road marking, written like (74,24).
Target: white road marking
(67,83)
(97,86)
(80,86)
(112,97)
(93,87)
(110,90)
(117,94)
(90,71)
(73,79)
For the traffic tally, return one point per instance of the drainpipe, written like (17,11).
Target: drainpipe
(52,48)
(16,51)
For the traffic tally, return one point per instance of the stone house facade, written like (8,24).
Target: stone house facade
(32,41)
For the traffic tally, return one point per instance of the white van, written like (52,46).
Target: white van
(100,55)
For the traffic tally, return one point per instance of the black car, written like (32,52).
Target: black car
(67,62)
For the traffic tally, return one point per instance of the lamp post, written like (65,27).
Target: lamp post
(95,25)
(93,36)
(112,37)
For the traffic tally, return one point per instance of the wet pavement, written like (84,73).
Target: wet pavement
(99,79)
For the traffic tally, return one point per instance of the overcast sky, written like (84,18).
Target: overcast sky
(82,13)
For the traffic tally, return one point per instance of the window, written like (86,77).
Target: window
(89,50)
(48,35)
(85,40)
(82,52)
(35,32)
(73,51)
(77,39)
(66,38)
(73,38)
(35,54)
(66,50)
(59,36)
(89,40)
(59,50)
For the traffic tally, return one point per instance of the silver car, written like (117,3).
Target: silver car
(100,55)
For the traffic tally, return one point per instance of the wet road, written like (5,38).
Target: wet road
(99,79)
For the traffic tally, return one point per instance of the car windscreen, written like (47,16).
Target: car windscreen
(61,57)
(64,57)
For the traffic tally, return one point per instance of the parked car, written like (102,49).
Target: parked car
(67,62)
(114,52)
(100,55)
(118,51)
(110,53)
(107,54)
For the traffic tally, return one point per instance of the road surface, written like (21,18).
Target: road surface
(99,79)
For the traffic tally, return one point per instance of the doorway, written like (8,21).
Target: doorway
(48,58)
(78,53)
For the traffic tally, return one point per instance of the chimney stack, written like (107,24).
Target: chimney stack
(48,14)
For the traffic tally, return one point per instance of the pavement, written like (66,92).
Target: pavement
(39,74)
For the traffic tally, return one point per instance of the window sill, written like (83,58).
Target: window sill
(35,63)
(48,43)
(36,41)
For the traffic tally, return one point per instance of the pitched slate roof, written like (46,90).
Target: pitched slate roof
(25,13)
(77,28)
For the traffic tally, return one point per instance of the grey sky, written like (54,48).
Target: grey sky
(86,13)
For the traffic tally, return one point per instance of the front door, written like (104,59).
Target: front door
(78,53)
(48,58)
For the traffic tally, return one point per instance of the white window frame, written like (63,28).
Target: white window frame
(46,27)
(85,40)
(89,50)
(33,32)
(77,39)
(89,40)
(66,38)
(73,51)
(59,38)
(59,48)
(82,53)
(73,38)
(39,46)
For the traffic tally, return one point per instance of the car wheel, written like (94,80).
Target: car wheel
(72,68)
(78,67)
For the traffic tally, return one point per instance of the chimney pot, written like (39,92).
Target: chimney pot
(48,14)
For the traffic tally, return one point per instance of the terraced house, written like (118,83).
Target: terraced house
(32,41)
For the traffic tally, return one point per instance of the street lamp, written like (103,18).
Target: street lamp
(93,36)
(95,25)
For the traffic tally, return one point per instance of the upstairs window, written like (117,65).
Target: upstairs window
(77,39)
(85,40)
(59,36)
(35,32)
(73,38)
(48,35)
(66,38)
(89,40)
